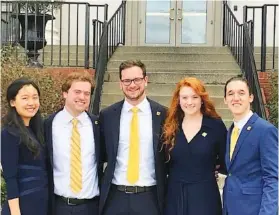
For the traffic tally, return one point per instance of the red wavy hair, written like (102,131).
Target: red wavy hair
(175,114)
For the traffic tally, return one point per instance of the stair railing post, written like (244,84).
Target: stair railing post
(263,42)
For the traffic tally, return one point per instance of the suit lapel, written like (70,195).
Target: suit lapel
(156,125)
(115,125)
(49,142)
(227,157)
(95,125)
(244,133)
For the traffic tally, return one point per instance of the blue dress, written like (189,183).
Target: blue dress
(25,176)
(192,186)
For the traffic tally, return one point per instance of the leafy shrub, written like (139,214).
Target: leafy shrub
(13,68)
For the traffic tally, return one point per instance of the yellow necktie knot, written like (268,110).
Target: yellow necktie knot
(134,109)
(75,122)
(235,130)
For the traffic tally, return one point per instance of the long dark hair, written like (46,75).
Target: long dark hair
(14,123)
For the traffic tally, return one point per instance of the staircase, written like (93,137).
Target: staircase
(168,65)
(269,58)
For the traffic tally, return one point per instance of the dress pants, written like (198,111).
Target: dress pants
(121,203)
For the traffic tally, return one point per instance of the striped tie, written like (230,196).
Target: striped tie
(133,162)
(234,137)
(76,171)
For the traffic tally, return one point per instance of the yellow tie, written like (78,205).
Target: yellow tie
(234,137)
(133,162)
(76,171)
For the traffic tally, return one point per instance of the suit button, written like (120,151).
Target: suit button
(230,174)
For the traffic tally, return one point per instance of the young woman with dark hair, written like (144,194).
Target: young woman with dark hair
(23,156)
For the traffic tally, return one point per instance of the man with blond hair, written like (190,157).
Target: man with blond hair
(72,138)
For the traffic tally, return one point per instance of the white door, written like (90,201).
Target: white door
(176,23)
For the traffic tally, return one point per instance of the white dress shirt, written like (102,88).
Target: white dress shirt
(147,161)
(240,124)
(61,137)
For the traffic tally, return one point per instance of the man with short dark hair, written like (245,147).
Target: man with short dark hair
(135,177)
(251,186)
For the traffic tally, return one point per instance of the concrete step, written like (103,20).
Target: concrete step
(269,57)
(166,89)
(65,62)
(65,48)
(64,55)
(186,71)
(174,77)
(110,98)
(175,57)
(269,50)
(268,64)
(227,119)
(160,49)
(182,64)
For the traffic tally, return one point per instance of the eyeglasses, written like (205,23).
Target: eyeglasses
(127,82)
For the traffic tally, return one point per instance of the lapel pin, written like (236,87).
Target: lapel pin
(249,128)
(204,134)
(158,113)
(96,122)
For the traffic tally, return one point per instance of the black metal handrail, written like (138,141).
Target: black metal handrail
(113,35)
(98,27)
(238,38)
(264,11)
(66,41)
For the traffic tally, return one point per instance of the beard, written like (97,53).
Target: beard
(136,97)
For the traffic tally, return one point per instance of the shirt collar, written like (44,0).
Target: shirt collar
(240,124)
(144,106)
(68,117)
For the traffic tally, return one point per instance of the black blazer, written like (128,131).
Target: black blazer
(48,139)
(109,128)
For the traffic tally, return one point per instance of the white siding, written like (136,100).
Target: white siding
(258,17)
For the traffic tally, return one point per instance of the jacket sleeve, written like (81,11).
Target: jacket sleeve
(9,161)
(269,165)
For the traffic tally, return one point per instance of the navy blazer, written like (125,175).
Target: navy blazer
(110,125)
(48,138)
(25,175)
(251,186)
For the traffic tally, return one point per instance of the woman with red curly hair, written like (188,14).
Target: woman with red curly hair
(195,140)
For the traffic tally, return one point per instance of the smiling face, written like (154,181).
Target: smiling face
(190,102)
(77,98)
(26,103)
(238,99)
(134,91)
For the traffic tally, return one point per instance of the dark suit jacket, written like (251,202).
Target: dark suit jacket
(110,125)
(48,139)
(251,186)
(25,175)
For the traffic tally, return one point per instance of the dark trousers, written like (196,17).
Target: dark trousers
(121,203)
(89,208)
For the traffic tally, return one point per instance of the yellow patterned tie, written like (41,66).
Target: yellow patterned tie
(76,170)
(234,137)
(133,162)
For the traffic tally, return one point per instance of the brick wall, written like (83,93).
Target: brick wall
(264,79)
